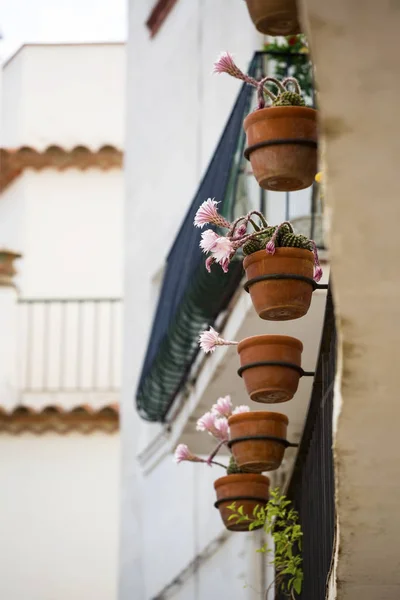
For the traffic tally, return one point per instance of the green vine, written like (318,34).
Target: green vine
(281,522)
(298,67)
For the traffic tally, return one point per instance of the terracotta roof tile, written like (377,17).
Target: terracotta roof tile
(14,161)
(83,419)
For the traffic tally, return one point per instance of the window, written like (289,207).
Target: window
(158,15)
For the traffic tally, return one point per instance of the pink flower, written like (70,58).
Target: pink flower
(222,250)
(271,244)
(317,273)
(210,260)
(222,427)
(182,453)
(226,64)
(317,267)
(208,213)
(270,247)
(208,240)
(207,423)
(214,425)
(208,340)
(225,265)
(240,231)
(223,407)
(241,409)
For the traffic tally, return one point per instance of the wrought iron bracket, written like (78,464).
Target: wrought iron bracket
(276,363)
(234,498)
(278,276)
(271,438)
(279,142)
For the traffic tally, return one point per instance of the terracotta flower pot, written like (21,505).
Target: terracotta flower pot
(274,17)
(247,490)
(280,299)
(258,455)
(270,383)
(282,167)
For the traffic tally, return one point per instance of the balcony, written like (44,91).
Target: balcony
(190,298)
(311,485)
(69,351)
(178,385)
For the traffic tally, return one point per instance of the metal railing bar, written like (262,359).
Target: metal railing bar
(65,300)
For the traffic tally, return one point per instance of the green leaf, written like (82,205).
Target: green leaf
(297,585)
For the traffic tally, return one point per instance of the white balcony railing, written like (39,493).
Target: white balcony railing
(69,345)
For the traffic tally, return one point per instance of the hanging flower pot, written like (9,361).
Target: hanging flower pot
(258,440)
(282,137)
(247,490)
(277,298)
(282,147)
(270,367)
(274,17)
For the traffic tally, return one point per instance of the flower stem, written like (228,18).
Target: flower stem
(215,451)
(214,462)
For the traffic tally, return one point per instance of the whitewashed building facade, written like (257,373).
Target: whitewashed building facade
(173,543)
(61,180)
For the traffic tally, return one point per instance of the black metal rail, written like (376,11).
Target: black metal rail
(311,487)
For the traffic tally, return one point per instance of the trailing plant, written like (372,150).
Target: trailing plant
(215,423)
(288,89)
(280,520)
(263,236)
(295,66)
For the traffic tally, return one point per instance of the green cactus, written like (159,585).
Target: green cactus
(260,242)
(286,238)
(252,246)
(232,467)
(293,240)
(288,99)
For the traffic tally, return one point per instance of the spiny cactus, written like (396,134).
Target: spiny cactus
(285,238)
(260,242)
(252,246)
(295,240)
(284,97)
(233,467)
(288,99)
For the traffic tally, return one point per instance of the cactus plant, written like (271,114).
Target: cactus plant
(264,236)
(284,97)
(215,423)
(281,132)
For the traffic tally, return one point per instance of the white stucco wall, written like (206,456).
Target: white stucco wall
(59,516)
(59,505)
(173,126)
(68,226)
(64,94)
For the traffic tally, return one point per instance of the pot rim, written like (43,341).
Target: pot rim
(279,112)
(293,253)
(258,415)
(271,339)
(241,478)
